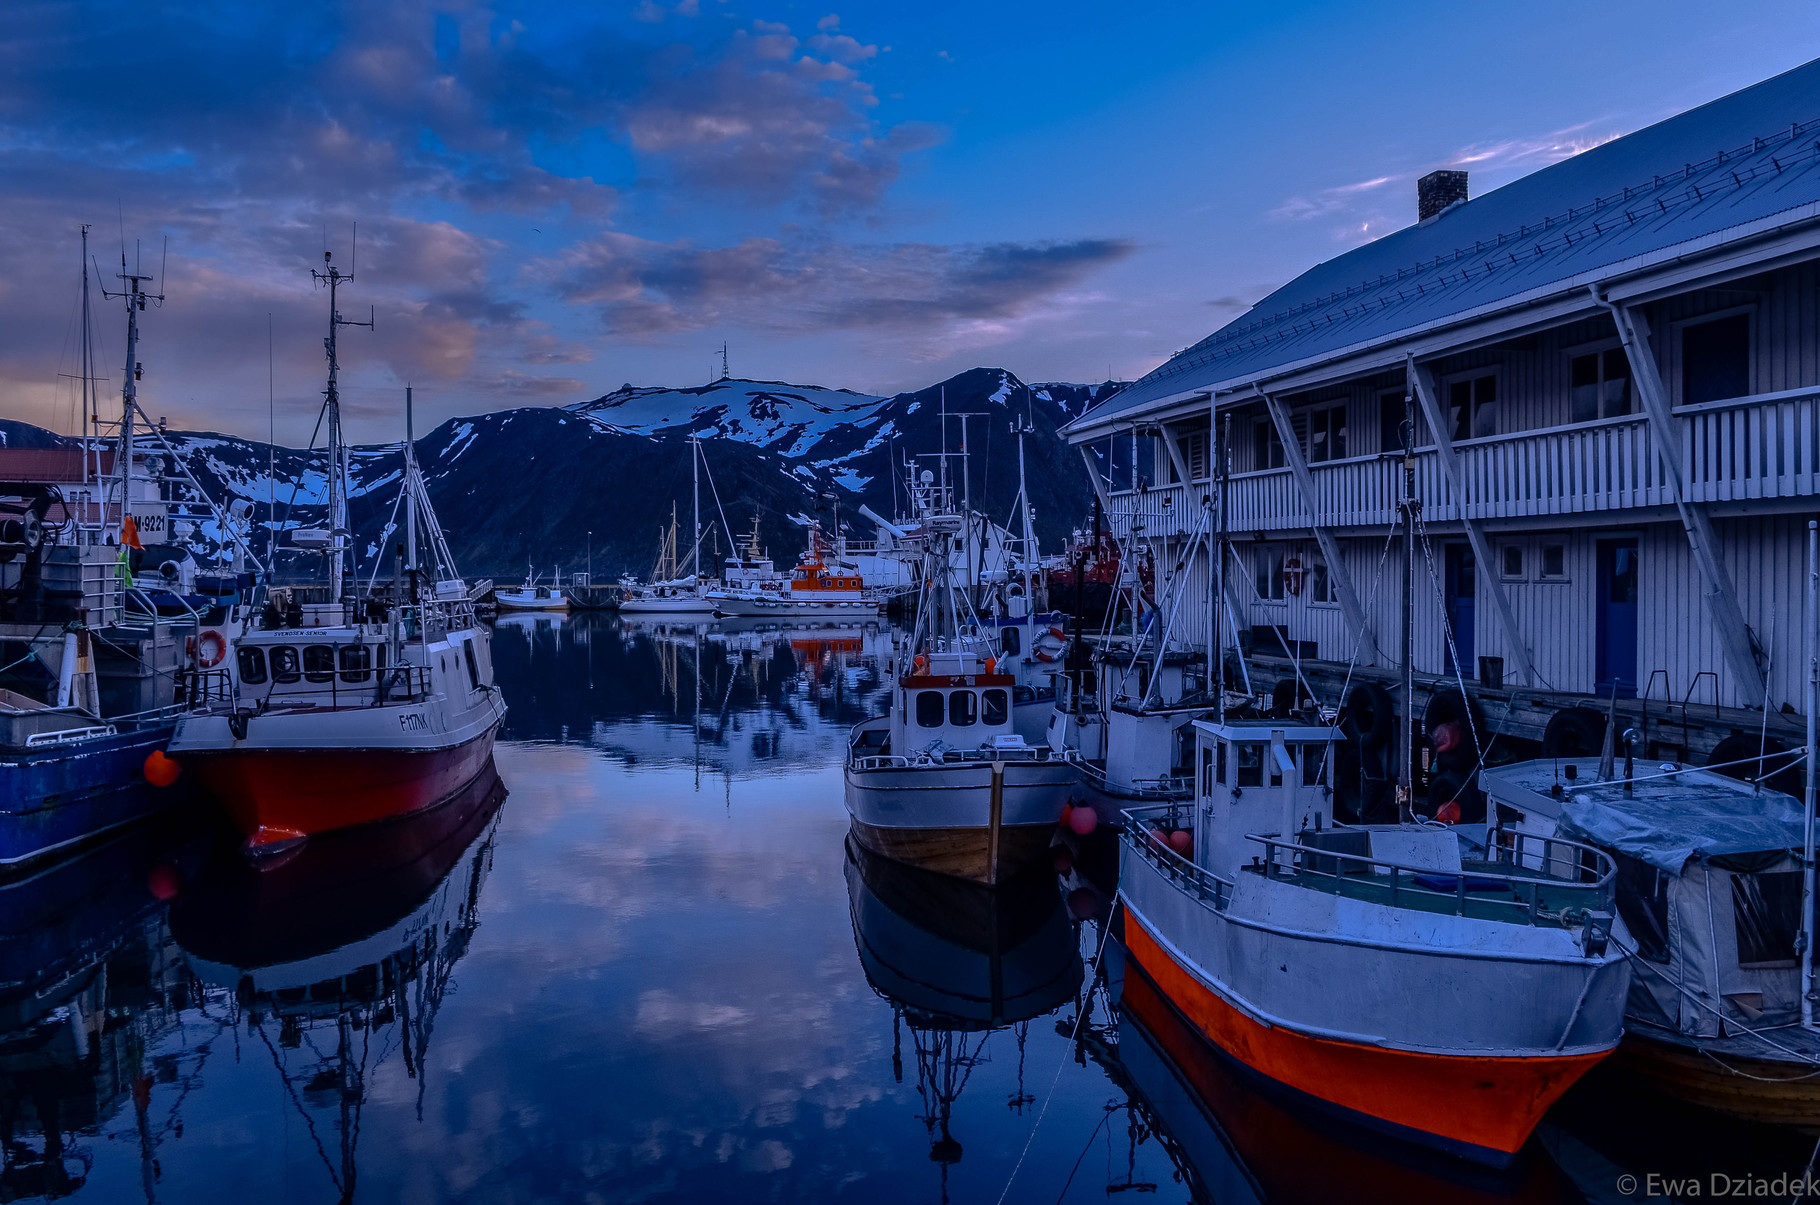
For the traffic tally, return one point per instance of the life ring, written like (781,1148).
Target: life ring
(1293,574)
(1042,656)
(1058,634)
(211,647)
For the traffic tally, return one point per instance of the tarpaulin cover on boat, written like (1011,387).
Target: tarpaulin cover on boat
(1665,829)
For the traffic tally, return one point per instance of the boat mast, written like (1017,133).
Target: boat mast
(1411,506)
(410,470)
(88,372)
(334,278)
(135,297)
(1216,643)
(695,492)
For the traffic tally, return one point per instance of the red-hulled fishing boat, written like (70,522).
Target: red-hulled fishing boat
(336,709)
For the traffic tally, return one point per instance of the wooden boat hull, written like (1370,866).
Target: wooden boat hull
(276,796)
(964,853)
(1767,1091)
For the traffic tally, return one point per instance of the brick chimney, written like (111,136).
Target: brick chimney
(1436,191)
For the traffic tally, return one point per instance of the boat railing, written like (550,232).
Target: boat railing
(983,755)
(69,736)
(372,687)
(1554,884)
(1183,872)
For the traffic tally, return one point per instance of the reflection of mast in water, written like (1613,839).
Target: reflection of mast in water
(958,962)
(347,952)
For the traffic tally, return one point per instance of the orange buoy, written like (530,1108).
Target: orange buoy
(1083,821)
(161,771)
(1182,841)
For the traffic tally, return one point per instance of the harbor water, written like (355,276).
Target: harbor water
(645,963)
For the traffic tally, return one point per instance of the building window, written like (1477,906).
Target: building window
(1472,407)
(1320,588)
(1600,385)
(1194,451)
(1327,433)
(1554,562)
(1269,447)
(1715,359)
(1270,574)
(1512,562)
(1392,410)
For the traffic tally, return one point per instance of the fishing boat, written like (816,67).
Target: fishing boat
(531,596)
(820,585)
(340,708)
(943,780)
(97,624)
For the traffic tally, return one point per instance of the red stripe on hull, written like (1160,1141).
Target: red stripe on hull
(1479,1107)
(319,790)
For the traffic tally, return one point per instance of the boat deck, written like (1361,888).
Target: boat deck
(1477,893)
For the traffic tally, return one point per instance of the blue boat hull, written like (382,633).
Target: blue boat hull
(58,798)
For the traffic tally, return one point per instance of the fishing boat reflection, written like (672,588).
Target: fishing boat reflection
(1233,1144)
(958,962)
(89,983)
(346,952)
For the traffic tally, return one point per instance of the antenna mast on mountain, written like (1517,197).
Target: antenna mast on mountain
(724,371)
(334,278)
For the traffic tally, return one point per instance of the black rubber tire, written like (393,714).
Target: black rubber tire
(1574,732)
(1348,785)
(1371,715)
(1284,697)
(1739,746)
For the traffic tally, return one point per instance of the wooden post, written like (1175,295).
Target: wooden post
(993,824)
(1423,382)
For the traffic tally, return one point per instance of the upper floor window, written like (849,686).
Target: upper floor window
(1194,451)
(1393,411)
(1327,432)
(1472,406)
(1600,382)
(1715,359)
(1269,447)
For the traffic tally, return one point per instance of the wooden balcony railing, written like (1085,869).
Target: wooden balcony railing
(1762,447)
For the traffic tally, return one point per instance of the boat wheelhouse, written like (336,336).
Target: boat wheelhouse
(1398,976)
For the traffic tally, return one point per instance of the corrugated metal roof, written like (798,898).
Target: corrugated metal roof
(1733,161)
(61,466)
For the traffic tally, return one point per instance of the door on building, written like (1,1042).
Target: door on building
(1461,588)
(1617,619)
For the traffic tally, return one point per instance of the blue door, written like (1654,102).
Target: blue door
(1461,589)
(1617,618)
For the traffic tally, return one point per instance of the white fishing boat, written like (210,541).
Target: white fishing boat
(339,709)
(821,585)
(944,781)
(671,590)
(531,596)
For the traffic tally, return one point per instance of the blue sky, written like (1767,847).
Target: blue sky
(554,198)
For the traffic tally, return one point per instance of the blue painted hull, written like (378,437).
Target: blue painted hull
(57,798)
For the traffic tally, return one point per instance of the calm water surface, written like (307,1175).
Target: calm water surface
(644,965)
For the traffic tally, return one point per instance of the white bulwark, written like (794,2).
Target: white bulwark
(1613,366)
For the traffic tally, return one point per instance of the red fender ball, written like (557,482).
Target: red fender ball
(1083,821)
(164,881)
(161,771)
(1182,841)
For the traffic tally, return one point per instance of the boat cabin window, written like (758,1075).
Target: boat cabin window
(1206,771)
(284,664)
(252,666)
(318,662)
(1314,765)
(356,663)
(467,648)
(1251,765)
(998,704)
(1643,903)
(1276,768)
(1766,909)
(1010,641)
(929,708)
(963,708)
(1219,770)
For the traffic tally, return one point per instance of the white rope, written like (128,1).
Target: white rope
(1079,1017)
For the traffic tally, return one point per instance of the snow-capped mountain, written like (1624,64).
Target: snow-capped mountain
(541,487)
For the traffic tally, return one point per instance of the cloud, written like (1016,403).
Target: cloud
(645,288)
